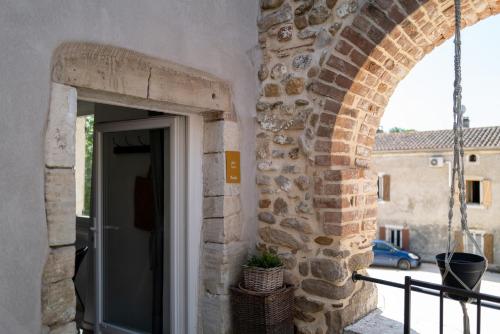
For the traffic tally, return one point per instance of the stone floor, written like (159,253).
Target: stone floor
(425,308)
(376,323)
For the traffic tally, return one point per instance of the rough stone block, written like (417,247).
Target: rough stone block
(60,206)
(221,136)
(324,289)
(60,133)
(361,303)
(222,230)
(216,314)
(58,303)
(69,328)
(221,206)
(281,238)
(175,84)
(222,265)
(60,264)
(375,323)
(214,177)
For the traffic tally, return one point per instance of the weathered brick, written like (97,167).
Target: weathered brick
(323,146)
(343,47)
(370,213)
(327,90)
(324,131)
(342,134)
(327,75)
(341,230)
(343,174)
(357,57)
(332,160)
(340,217)
(340,189)
(327,119)
(379,17)
(343,81)
(343,66)
(358,40)
(395,14)
(345,122)
(330,202)
(409,5)
(332,106)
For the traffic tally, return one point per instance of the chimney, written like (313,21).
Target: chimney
(466,122)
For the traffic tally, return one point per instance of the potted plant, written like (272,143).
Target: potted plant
(263,273)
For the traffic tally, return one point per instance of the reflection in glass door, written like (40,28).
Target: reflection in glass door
(131,247)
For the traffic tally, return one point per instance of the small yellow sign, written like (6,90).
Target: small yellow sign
(233,170)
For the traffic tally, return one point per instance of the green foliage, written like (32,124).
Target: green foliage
(265,260)
(398,130)
(89,148)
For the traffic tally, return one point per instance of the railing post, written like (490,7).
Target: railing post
(478,330)
(407,321)
(441,322)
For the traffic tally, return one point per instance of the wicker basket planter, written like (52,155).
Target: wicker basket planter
(262,279)
(262,313)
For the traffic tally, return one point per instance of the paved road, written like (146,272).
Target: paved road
(425,308)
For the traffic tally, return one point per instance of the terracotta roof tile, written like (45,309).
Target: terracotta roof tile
(487,137)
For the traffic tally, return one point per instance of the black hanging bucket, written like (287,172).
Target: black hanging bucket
(468,267)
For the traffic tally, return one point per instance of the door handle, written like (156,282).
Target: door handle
(111,227)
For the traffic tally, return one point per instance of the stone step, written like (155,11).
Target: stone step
(376,323)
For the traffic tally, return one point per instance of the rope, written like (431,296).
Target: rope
(466,318)
(458,174)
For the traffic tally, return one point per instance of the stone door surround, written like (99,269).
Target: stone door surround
(114,75)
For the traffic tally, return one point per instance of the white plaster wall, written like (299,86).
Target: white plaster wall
(419,198)
(217,36)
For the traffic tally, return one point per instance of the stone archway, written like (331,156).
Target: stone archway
(118,76)
(329,70)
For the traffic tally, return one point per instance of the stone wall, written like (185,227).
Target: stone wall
(329,68)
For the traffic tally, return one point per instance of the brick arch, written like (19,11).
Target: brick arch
(369,57)
(350,55)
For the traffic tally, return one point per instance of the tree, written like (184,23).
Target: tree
(89,151)
(398,130)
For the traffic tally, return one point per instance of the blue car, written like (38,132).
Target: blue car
(385,254)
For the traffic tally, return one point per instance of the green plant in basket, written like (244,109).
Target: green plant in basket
(265,260)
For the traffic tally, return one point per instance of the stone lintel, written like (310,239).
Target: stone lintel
(122,71)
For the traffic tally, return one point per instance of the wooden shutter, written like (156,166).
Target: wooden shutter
(387,187)
(487,193)
(459,241)
(381,233)
(405,234)
(488,246)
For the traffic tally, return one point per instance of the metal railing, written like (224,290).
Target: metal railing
(479,299)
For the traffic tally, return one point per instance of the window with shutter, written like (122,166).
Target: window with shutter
(387,188)
(406,239)
(381,233)
(488,246)
(384,187)
(487,193)
(395,235)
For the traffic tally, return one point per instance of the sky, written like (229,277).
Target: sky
(423,99)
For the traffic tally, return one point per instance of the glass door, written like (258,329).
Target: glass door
(132,228)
